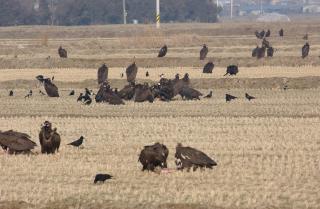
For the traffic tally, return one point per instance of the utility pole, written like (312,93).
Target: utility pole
(124,12)
(158,13)
(231,9)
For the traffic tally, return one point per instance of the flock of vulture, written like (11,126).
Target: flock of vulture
(152,156)
(260,52)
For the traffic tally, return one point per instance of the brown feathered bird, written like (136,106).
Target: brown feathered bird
(189,93)
(188,157)
(102,74)
(16,142)
(62,52)
(248,97)
(208,68)
(154,155)
(49,139)
(143,93)
(163,51)
(281,32)
(131,72)
(105,94)
(203,52)
(305,50)
(51,88)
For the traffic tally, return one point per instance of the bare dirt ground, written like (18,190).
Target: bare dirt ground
(267,150)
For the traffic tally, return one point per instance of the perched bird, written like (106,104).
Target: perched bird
(10,93)
(77,142)
(62,52)
(102,74)
(41,93)
(203,52)
(209,95)
(147,74)
(102,178)
(71,93)
(268,33)
(29,94)
(163,51)
(52,78)
(305,50)
(230,97)
(208,68)
(131,72)
(281,32)
(249,97)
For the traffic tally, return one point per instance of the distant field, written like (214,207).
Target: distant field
(267,150)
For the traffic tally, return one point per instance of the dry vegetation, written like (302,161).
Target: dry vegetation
(267,150)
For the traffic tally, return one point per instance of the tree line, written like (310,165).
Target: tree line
(91,12)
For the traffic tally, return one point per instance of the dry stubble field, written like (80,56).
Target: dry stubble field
(267,150)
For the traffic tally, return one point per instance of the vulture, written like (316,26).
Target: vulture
(49,139)
(105,94)
(163,51)
(261,52)
(208,68)
(11,93)
(62,52)
(204,52)
(143,93)
(230,97)
(51,88)
(16,142)
(127,92)
(102,74)
(305,50)
(270,52)
(153,155)
(179,84)
(102,178)
(77,142)
(131,72)
(188,157)
(281,32)
(190,93)
(255,52)
(262,33)
(232,70)
(248,97)
(257,34)
(305,37)
(268,33)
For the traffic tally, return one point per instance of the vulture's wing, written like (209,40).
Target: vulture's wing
(51,89)
(114,99)
(195,156)
(131,72)
(16,141)
(102,74)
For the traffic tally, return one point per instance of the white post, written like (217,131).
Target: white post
(231,9)
(158,14)
(124,12)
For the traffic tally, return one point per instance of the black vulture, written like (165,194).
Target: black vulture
(102,178)
(49,139)
(208,67)
(163,51)
(209,95)
(62,52)
(189,93)
(232,70)
(248,97)
(143,93)
(154,155)
(261,52)
(131,72)
(16,142)
(270,52)
(105,94)
(230,97)
(268,33)
(77,142)
(262,33)
(102,74)
(188,157)
(51,88)
(127,92)
(281,32)
(203,52)
(11,93)
(305,50)
(255,52)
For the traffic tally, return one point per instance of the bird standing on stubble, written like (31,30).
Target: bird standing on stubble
(102,178)
(78,142)
(248,97)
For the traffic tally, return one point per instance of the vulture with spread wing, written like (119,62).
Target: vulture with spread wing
(102,74)
(16,142)
(163,51)
(203,52)
(131,72)
(188,157)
